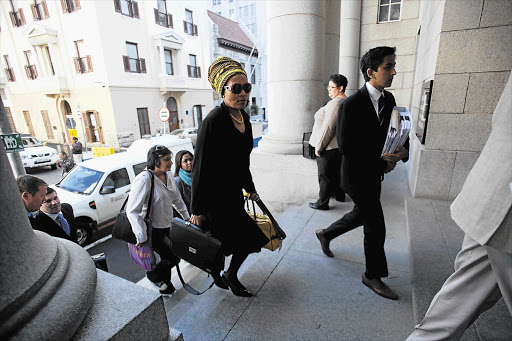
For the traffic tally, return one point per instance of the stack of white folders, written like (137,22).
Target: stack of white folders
(398,131)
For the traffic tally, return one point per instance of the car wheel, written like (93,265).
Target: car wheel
(54,166)
(83,233)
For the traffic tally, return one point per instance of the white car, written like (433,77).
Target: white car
(191,133)
(97,188)
(36,154)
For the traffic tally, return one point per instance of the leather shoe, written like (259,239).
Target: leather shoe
(379,288)
(219,281)
(236,287)
(315,205)
(324,243)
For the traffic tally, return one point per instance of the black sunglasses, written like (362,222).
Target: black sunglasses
(159,149)
(237,88)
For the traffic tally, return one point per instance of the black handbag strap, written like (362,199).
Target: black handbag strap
(150,195)
(188,287)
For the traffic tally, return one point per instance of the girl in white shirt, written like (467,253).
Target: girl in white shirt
(165,197)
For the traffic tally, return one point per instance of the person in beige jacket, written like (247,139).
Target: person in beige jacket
(323,138)
(483,210)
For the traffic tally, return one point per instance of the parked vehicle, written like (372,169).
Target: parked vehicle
(191,133)
(97,188)
(37,154)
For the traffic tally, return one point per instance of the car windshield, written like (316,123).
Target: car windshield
(81,180)
(31,142)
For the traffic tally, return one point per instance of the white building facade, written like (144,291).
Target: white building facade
(114,62)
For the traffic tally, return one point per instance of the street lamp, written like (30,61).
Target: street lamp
(79,113)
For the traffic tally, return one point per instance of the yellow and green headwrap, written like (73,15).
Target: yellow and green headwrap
(221,70)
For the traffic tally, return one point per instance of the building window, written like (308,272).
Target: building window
(188,23)
(82,64)
(163,18)
(252,28)
(30,68)
(49,63)
(10,119)
(70,6)
(389,10)
(39,10)
(231,12)
(132,62)
(194,71)
(9,72)
(47,124)
(127,7)
(28,122)
(142,114)
(246,11)
(216,2)
(168,62)
(219,13)
(17,16)
(253,74)
(93,127)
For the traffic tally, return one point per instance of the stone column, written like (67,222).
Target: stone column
(350,28)
(48,284)
(296,49)
(332,43)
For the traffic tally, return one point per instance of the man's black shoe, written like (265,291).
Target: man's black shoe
(379,288)
(318,207)
(324,243)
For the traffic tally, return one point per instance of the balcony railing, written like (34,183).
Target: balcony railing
(194,71)
(163,19)
(190,28)
(10,75)
(17,18)
(83,64)
(135,65)
(31,71)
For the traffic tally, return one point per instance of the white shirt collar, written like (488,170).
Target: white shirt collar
(374,93)
(52,215)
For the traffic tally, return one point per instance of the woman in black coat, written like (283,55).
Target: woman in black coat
(221,171)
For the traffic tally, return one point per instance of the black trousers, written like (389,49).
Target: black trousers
(329,164)
(161,243)
(367,211)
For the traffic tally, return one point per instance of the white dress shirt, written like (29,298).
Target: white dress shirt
(165,197)
(374,96)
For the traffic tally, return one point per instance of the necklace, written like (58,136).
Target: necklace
(241,120)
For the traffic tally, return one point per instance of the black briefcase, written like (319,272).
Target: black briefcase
(196,246)
(308,151)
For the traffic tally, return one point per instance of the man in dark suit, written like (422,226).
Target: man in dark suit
(361,129)
(55,218)
(32,190)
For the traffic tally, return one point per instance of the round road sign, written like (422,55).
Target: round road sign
(164,114)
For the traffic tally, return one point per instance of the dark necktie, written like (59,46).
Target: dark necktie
(64,223)
(381,107)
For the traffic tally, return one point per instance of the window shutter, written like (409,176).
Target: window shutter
(100,129)
(87,123)
(89,64)
(189,70)
(7,74)
(185,26)
(35,71)
(77,4)
(142,65)
(157,17)
(64,10)
(33,8)
(169,20)
(194,30)
(22,16)
(28,72)
(11,14)
(13,75)
(135,8)
(198,72)
(126,62)
(45,10)
(77,66)
(117,5)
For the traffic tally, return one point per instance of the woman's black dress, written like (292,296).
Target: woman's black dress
(220,172)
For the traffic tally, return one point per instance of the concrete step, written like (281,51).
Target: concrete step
(434,241)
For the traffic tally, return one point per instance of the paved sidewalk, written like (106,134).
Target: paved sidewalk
(300,293)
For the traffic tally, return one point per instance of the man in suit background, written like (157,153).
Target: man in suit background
(361,128)
(483,210)
(55,218)
(33,191)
